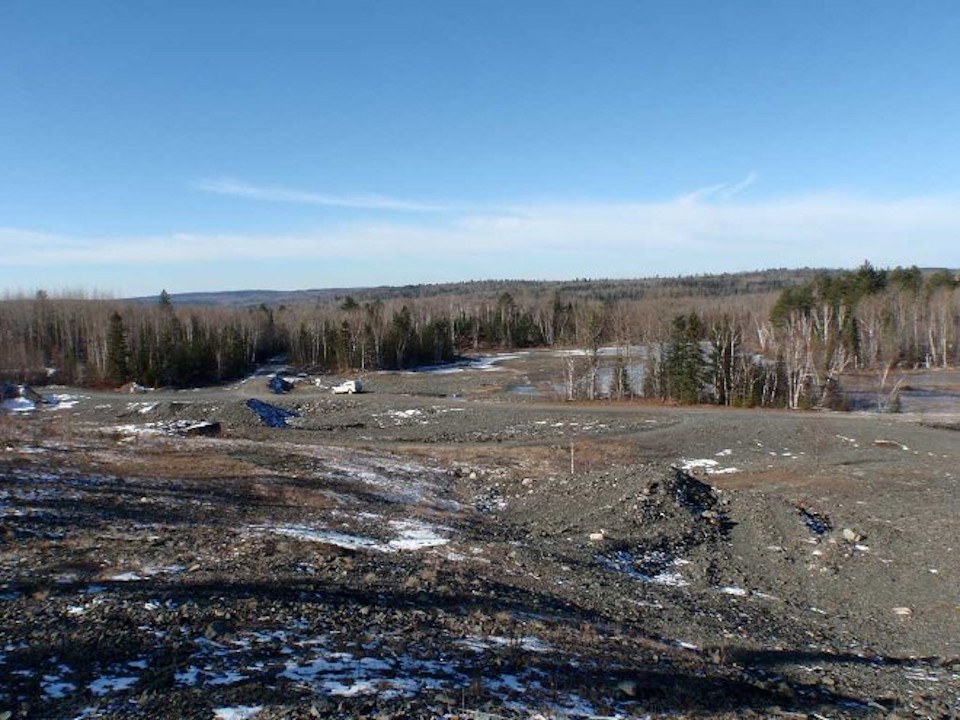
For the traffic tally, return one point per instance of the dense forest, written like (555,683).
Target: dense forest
(779,338)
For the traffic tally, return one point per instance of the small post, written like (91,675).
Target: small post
(571,456)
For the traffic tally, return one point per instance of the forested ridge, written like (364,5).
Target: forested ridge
(762,281)
(774,338)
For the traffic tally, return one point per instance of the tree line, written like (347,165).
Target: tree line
(755,341)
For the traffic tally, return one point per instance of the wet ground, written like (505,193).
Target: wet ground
(445,546)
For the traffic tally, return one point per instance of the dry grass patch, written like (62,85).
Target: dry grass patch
(162,461)
(549,458)
(294,495)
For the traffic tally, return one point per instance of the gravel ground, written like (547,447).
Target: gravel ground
(464,545)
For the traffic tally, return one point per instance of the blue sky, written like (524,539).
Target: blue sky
(229,145)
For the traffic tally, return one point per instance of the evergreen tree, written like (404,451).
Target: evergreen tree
(683,364)
(118,368)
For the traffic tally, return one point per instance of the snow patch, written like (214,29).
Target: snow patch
(56,688)
(651,567)
(328,537)
(732,590)
(108,684)
(126,577)
(63,401)
(708,465)
(240,712)
(530,643)
(415,535)
(411,535)
(18,405)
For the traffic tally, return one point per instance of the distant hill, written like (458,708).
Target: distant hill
(720,285)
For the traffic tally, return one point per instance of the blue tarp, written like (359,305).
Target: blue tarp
(270,415)
(279,385)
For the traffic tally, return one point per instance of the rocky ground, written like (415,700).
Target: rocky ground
(465,545)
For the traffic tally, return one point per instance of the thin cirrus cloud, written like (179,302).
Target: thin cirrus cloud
(714,231)
(721,191)
(237,188)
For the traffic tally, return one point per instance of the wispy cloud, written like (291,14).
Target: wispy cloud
(586,239)
(721,191)
(236,188)
(729,192)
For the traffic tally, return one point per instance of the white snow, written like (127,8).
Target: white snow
(294,652)
(410,535)
(239,712)
(229,677)
(151,570)
(482,363)
(412,412)
(190,676)
(358,687)
(723,471)
(708,465)
(56,688)
(328,537)
(920,675)
(18,405)
(108,684)
(64,401)
(732,590)
(701,463)
(530,643)
(403,417)
(126,577)
(627,563)
(415,535)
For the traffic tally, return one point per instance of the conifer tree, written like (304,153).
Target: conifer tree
(118,368)
(683,363)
